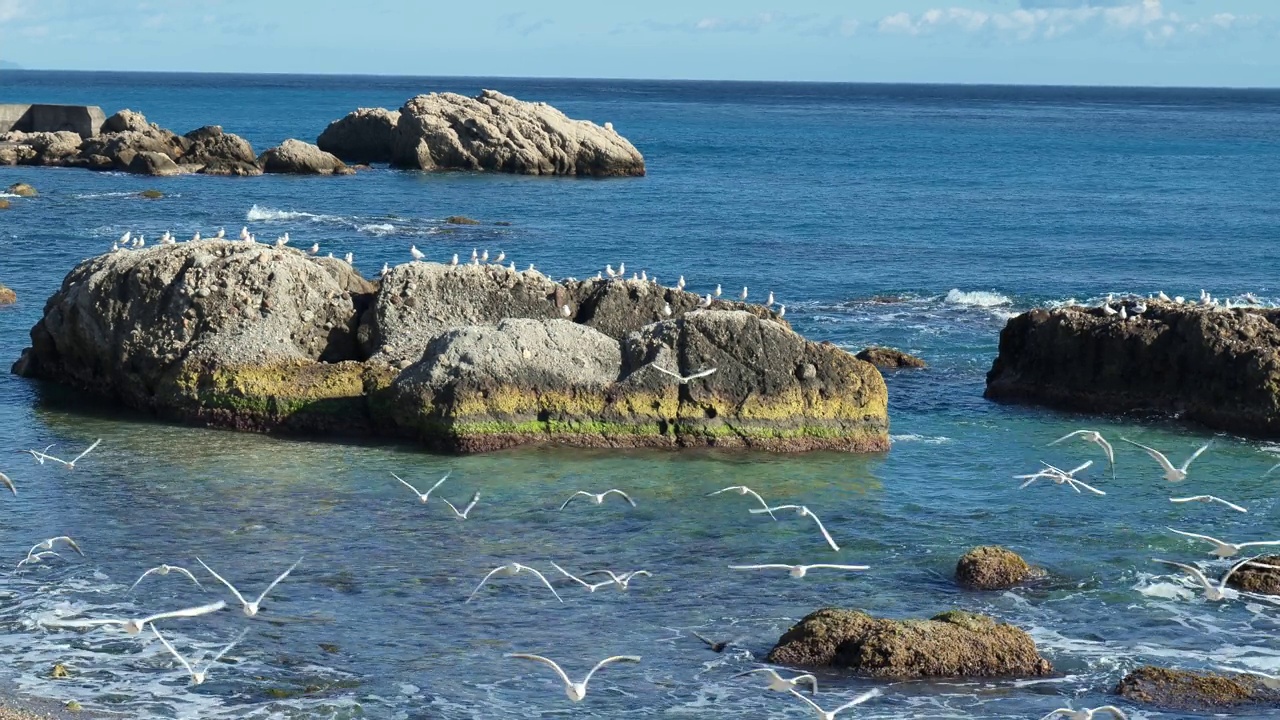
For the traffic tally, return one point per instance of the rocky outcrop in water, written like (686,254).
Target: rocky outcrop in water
(1261,576)
(363,136)
(465,358)
(889,358)
(21,190)
(1208,365)
(7,296)
(220,153)
(1200,692)
(298,158)
(495,132)
(952,644)
(991,568)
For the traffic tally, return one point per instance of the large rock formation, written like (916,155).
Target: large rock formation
(1205,364)
(952,644)
(1199,692)
(495,132)
(220,153)
(363,136)
(468,357)
(991,568)
(40,148)
(299,158)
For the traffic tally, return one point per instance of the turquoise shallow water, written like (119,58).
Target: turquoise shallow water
(962,205)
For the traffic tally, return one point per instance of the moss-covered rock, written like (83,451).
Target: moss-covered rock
(991,568)
(1183,690)
(4,204)
(460,220)
(1261,576)
(951,644)
(22,190)
(7,296)
(889,358)
(151,194)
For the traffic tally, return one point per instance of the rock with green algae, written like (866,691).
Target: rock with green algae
(991,568)
(7,296)
(1261,576)
(22,190)
(1187,691)
(151,194)
(460,220)
(951,644)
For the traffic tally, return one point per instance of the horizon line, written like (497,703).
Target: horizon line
(919,83)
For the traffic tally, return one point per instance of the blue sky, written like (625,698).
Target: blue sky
(1085,42)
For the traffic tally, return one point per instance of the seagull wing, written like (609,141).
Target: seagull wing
(467,510)
(1034,478)
(574,497)
(711,644)
(772,510)
(223,580)
(840,567)
(608,661)
(771,671)
(1258,543)
(763,504)
(87,451)
(485,580)
(1106,447)
(69,542)
(823,528)
(173,652)
(1111,709)
(762,567)
(665,371)
(1196,498)
(140,579)
(454,509)
(402,482)
(543,578)
(1068,436)
(8,483)
(85,623)
(731,487)
(439,483)
(1206,538)
(700,374)
(1086,486)
(1223,582)
(186,572)
(573,577)
(276,582)
(224,650)
(813,681)
(1058,712)
(809,702)
(1273,469)
(185,612)
(545,661)
(1231,505)
(1195,571)
(858,700)
(1085,466)
(625,496)
(1195,455)
(1155,454)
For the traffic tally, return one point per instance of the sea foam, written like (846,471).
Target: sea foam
(977,298)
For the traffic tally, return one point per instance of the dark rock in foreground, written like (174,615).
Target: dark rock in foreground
(1208,365)
(889,358)
(1185,691)
(952,644)
(1261,576)
(991,568)
(466,358)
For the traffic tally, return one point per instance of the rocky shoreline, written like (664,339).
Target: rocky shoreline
(462,358)
(441,131)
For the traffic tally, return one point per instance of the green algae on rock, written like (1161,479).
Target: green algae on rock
(991,568)
(1187,691)
(950,644)
(22,190)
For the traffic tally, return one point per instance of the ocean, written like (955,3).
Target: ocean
(920,217)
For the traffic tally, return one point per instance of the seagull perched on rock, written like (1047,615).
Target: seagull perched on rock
(598,498)
(782,311)
(416,253)
(1211,592)
(1107,309)
(133,627)
(718,291)
(1222,548)
(1171,473)
(777,683)
(165,570)
(196,237)
(222,233)
(244,233)
(565,311)
(1209,499)
(1086,714)
(1095,437)
(250,608)
(423,496)
(1271,682)
(705,302)
(350,258)
(831,714)
(386,268)
(683,379)
(198,677)
(743,296)
(1162,297)
(680,283)
(575,691)
(799,571)
(454,261)
(802,511)
(769,303)
(666,309)
(511,570)
(501,256)
(744,490)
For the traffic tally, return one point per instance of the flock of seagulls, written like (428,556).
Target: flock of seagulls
(1132,307)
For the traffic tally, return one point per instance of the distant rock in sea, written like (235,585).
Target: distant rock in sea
(363,136)
(299,158)
(461,358)
(7,296)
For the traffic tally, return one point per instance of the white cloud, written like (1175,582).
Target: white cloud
(10,10)
(1048,19)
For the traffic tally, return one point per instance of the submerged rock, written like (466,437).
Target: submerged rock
(951,644)
(1261,576)
(460,220)
(299,158)
(363,136)
(21,190)
(495,132)
(1182,690)
(4,204)
(1208,365)
(991,568)
(889,358)
(466,357)
(7,296)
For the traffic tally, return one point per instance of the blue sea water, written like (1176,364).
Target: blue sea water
(915,216)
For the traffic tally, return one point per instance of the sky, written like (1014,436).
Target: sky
(1231,43)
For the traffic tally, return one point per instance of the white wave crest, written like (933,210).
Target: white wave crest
(927,440)
(266,214)
(377,228)
(977,298)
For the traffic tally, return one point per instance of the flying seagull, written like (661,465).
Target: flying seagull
(1096,438)
(133,627)
(1060,477)
(462,514)
(598,499)
(777,683)
(165,570)
(831,715)
(623,581)
(4,479)
(1171,473)
(1210,591)
(69,465)
(591,587)
(197,678)
(802,511)
(799,571)
(1225,549)
(34,559)
(511,570)
(48,545)
(250,608)
(575,691)
(744,490)
(719,647)
(1209,499)
(423,496)
(1086,714)
(683,379)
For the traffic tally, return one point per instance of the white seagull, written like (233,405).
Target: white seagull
(705,302)
(1269,681)
(314,249)
(126,237)
(565,311)
(799,571)
(37,558)
(666,309)
(133,627)
(196,237)
(423,496)
(591,587)
(416,253)
(623,581)
(1225,549)
(250,608)
(575,691)
(462,514)
(831,715)
(165,570)
(48,545)
(4,479)
(501,256)
(680,283)
(197,678)
(744,490)
(598,498)
(350,258)
(222,232)
(1211,592)
(743,296)
(1087,713)
(718,291)
(1171,473)
(770,301)
(1096,438)
(683,379)
(802,511)
(244,233)
(512,570)
(1209,499)
(777,683)
(68,465)
(782,311)
(1060,477)
(386,268)
(455,259)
